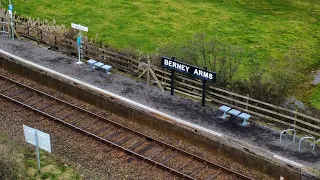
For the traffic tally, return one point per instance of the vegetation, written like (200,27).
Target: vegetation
(17,162)
(270,31)
(267,84)
(267,27)
(314,97)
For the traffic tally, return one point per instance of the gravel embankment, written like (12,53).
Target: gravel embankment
(186,109)
(94,159)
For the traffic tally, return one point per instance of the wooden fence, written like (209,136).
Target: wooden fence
(59,38)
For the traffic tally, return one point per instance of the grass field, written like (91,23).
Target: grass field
(270,28)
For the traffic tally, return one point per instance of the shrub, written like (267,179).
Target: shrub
(11,166)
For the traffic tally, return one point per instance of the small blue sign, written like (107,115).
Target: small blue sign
(10,7)
(79,40)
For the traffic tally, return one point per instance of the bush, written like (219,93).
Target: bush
(272,84)
(11,166)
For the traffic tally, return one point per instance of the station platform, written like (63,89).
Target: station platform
(181,109)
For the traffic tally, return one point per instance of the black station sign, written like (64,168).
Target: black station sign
(188,69)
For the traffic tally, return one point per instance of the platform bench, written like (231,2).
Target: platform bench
(95,64)
(91,62)
(228,110)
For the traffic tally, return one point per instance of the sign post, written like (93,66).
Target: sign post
(172,79)
(10,9)
(190,70)
(79,39)
(37,148)
(204,91)
(38,139)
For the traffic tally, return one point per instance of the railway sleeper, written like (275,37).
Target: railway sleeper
(122,141)
(168,158)
(146,148)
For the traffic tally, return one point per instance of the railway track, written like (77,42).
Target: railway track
(133,143)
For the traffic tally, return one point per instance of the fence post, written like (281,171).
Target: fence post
(148,71)
(247,102)
(295,117)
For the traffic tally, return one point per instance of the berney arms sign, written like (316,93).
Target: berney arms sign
(188,69)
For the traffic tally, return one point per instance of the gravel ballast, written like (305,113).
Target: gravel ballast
(176,106)
(92,158)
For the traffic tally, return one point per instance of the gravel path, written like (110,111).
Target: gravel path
(186,109)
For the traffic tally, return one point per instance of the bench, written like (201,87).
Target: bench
(91,63)
(228,110)
(95,64)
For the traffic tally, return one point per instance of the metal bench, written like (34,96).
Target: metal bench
(107,68)
(245,118)
(98,65)
(3,29)
(91,62)
(95,64)
(227,110)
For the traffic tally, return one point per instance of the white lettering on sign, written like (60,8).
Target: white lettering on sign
(186,68)
(176,65)
(203,74)
(78,26)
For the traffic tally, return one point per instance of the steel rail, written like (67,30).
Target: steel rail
(128,151)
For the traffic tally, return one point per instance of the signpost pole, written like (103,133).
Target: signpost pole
(79,42)
(172,79)
(37,148)
(10,9)
(204,91)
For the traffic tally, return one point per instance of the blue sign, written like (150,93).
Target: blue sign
(79,40)
(10,7)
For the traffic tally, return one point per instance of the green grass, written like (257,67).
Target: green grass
(269,28)
(25,163)
(314,97)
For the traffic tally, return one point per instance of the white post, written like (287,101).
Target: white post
(37,148)
(79,42)
(11,21)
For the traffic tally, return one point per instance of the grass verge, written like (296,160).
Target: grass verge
(19,162)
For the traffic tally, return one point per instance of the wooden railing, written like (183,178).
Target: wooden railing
(288,118)
(55,38)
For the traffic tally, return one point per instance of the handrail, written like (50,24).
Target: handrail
(294,135)
(310,137)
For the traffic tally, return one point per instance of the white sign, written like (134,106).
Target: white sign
(78,26)
(43,138)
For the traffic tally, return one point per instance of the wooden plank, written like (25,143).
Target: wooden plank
(155,77)
(124,140)
(146,148)
(112,135)
(135,145)
(89,124)
(103,128)
(168,158)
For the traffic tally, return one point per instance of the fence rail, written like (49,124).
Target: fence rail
(55,37)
